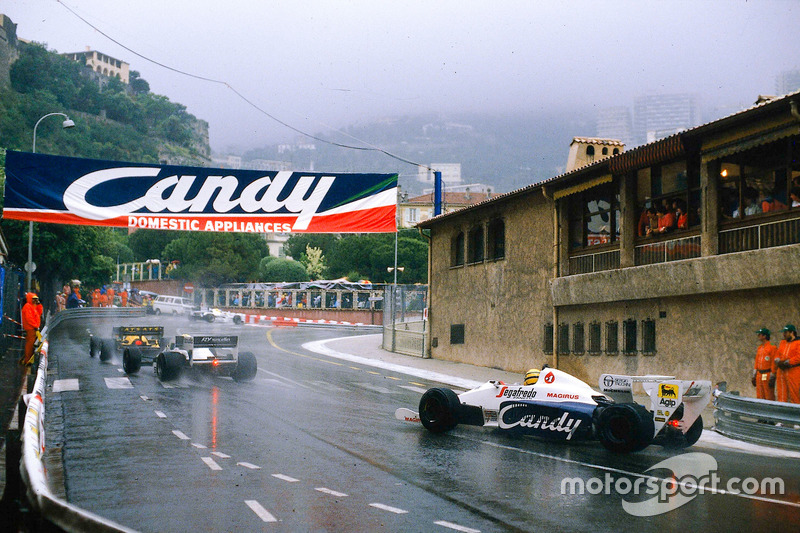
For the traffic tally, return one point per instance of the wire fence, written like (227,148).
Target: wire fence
(404,321)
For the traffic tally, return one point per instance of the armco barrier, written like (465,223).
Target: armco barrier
(759,421)
(32,469)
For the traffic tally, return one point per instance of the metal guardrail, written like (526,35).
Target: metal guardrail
(66,516)
(760,421)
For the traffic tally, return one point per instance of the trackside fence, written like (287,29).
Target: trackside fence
(50,508)
(404,327)
(758,421)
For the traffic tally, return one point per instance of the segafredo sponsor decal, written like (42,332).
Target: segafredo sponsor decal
(538,419)
(85,191)
(516,393)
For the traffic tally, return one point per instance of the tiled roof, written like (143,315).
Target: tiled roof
(461,198)
(597,140)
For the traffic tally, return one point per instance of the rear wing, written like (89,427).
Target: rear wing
(666,394)
(189,342)
(138,330)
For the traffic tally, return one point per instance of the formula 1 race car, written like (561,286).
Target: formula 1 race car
(217,354)
(216,315)
(147,341)
(561,407)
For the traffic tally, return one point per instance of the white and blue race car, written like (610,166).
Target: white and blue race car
(552,404)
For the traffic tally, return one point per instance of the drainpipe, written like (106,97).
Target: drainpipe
(427,339)
(556,259)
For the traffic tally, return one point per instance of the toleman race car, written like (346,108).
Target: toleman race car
(552,404)
(216,315)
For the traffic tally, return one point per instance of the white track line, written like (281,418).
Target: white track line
(221,455)
(211,463)
(285,478)
(384,507)
(180,434)
(160,414)
(65,385)
(145,398)
(262,513)
(251,466)
(331,492)
(199,446)
(118,383)
(456,527)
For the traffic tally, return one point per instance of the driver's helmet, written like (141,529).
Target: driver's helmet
(531,376)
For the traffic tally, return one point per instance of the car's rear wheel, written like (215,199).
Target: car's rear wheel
(237,320)
(107,349)
(132,360)
(210,318)
(94,346)
(157,311)
(246,368)
(625,427)
(438,410)
(168,366)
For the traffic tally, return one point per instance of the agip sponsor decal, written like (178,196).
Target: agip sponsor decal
(667,390)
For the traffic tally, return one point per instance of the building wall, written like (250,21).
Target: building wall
(501,303)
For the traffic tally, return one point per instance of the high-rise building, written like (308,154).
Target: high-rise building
(661,115)
(615,123)
(787,82)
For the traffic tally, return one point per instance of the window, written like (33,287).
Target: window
(594,217)
(563,339)
(475,249)
(615,151)
(412,214)
(605,150)
(760,180)
(594,338)
(629,329)
(547,339)
(456,333)
(649,336)
(612,337)
(670,188)
(457,250)
(578,346)
(496,239)
(590,151)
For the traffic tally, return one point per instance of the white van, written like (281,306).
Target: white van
(172,305)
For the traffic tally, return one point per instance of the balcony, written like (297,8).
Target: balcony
(758,236)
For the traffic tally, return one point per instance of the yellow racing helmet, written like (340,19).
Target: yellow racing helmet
(531,376)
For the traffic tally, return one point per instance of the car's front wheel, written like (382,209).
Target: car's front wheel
(210,318)
(246,368)
(107,349)
(94,346)
(438,410)
(625,427)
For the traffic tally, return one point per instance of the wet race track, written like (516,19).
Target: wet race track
(312,445)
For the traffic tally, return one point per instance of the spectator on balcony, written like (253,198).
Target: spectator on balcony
(794,194)
(681,214)
(645,224)
(751,204)
(666,220)
(762,370)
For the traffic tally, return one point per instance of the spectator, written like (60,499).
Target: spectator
(787,363)
(681,214)
(61,301)
(762,369)
(666,220)
(31,321)
(652,215)
(794,194)
(74,300)
(123,297)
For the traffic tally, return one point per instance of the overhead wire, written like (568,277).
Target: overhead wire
(369,148)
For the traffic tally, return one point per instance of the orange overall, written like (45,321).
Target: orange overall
(792,374)
(31,320)
(781,390)
(764,356)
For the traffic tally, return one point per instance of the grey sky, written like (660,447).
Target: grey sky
(318,63)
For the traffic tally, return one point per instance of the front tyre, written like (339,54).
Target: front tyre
(438,410)
(625,427)
(94,346)
(107,349)
(246,368)
(210,318)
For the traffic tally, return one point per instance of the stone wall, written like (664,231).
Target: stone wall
(8,48)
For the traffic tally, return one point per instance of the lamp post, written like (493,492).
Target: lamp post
(68,123)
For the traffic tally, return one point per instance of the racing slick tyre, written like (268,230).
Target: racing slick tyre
(107,349)
(625,427)
(132,360)
(675,440)
(438,410)
(157,312)
(209,318)
(246,368)
(94,346)
(237,320)
(168,366)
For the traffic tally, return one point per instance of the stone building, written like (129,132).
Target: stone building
(563,271)
(410,211)
(102,64)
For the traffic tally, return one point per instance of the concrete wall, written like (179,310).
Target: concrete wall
(503,304)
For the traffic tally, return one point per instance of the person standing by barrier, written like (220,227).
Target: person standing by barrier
(762,369)
(779,374)
(31,321)
(123,298)
(788,364)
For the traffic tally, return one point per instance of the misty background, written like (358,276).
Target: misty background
(499,89)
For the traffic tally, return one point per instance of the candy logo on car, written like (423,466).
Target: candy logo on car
(536,420)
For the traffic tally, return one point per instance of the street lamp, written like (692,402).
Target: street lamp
(68,123)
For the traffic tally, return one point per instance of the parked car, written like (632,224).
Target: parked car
(174,305)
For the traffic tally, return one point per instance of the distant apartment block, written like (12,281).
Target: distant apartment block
(451,173)
(414,210)
(615,123)
(102,64)
(661,115)
(787,82)
(268,164)
(228,161)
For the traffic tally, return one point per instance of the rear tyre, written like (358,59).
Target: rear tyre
(210,318)
(132,360)
(168,366)
(94,346)
(107,349)
(438,410)
(625,427)
(246,368)
(237,320)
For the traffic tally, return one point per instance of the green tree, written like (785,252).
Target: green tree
(283,270)
(212,259)
(296,245)
(149,243)
(314,262)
